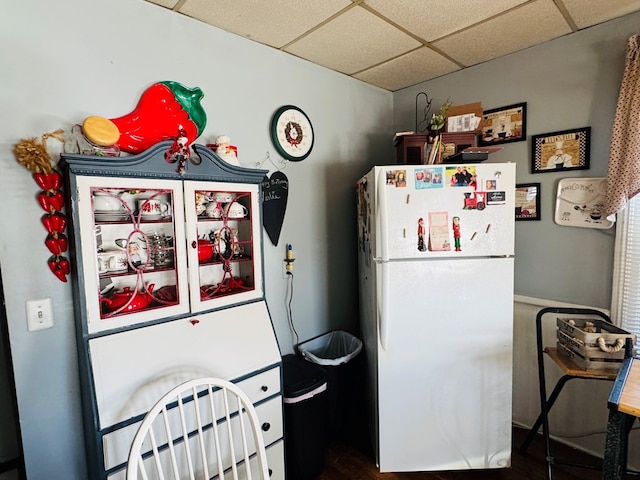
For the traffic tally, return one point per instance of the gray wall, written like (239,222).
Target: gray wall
(62,61)
(570,82)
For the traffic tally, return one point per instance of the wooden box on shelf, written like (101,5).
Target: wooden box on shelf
(410,148)
(455,142)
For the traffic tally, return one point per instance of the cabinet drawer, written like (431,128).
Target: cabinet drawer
(275,460)
(116,444)
(261,386)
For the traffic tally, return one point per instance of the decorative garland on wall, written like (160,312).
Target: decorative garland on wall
(32,154)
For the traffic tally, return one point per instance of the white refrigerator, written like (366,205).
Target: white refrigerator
(436,253)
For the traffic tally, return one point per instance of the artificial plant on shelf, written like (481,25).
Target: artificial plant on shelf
(438,119)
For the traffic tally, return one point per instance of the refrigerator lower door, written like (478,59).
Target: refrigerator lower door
(444,374)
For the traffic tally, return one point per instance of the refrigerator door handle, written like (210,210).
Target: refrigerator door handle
(381,235)
(381,220)
(383,324)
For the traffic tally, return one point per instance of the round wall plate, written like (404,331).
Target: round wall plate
(292,133)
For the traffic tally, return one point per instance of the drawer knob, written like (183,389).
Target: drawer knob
(264,388)
(266,426)
(195,321)
(270,472)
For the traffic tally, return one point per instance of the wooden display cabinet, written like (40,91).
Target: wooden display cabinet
(167,289)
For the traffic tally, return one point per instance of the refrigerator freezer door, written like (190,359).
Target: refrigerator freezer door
(444,376)
(405,209)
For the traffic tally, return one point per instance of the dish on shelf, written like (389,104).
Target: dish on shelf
(111,217)
(152,217)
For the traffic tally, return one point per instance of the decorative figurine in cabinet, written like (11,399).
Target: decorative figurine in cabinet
(168,285)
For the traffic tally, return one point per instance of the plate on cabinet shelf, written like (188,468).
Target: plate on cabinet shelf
(111,217)
(154,218)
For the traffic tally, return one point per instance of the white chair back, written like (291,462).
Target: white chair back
(202,429)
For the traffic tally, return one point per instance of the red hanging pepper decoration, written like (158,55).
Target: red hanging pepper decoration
(33,155)
(51,199)
(59,266)
(56,242)
(54,222)
(48,181)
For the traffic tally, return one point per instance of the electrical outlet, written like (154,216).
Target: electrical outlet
(39,314)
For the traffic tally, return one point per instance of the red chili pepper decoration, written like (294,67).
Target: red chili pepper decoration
(54,222)
(56,243)
(48,181)
(33,155)
(59,266)
(51,201)
(162,109)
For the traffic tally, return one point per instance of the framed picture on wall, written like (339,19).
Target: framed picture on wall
(560,151)
(504,125)
(527,201)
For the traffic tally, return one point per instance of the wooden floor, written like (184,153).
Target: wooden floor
(348,461)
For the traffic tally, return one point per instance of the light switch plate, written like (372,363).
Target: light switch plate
(39,314)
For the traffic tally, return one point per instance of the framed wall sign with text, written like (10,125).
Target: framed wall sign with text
(559,151)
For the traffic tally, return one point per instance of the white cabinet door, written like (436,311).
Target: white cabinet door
(132,369)
(132,250)
(223,236)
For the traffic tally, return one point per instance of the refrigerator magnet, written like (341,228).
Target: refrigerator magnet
(456,233)
(397,178)
(421,231)
(439,232)
(428,178)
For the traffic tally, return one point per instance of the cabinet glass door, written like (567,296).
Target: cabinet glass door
(223,237)
(133,260)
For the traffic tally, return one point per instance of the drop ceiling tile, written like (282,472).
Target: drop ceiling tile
(272,22)
(410,69)
(432,19)
(352,42)
(599,10)
(532,24)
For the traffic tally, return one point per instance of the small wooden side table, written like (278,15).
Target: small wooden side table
(569,371)
(624,408)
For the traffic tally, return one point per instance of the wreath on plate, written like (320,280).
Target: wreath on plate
(299,135)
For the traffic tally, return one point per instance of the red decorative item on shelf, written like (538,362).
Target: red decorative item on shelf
(163,109)
(205,250)
(128,300)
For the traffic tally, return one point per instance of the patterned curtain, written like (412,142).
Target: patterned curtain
(623,177)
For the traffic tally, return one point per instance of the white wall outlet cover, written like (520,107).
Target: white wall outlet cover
(39,314)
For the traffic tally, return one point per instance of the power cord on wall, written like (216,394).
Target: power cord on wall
(289,293)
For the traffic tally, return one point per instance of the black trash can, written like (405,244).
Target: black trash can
(305,417)
(334,352)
